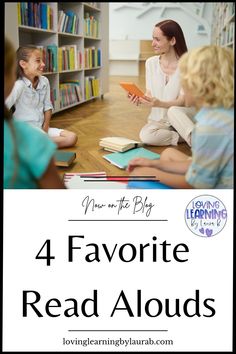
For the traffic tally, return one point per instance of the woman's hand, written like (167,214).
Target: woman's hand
(140,161)
(145,100)
(134,99)
(150,101)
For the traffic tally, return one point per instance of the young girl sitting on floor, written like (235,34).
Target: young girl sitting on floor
(28,154)
(31,96)
(207,81)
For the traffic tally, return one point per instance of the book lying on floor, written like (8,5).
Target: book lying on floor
(93,180)
(121,159)
(64,158)
(116,143)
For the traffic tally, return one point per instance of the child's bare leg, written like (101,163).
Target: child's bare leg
(171,154)
(149,172)
(66,139)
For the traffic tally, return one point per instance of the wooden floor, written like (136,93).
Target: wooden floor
(113,115)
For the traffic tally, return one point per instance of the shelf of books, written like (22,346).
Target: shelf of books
(223,24)
(73,39)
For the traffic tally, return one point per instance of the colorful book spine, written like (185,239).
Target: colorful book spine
(91,26)
(92,87)
(69,58)
(44,15)
(52,50)
(19,13)
(34,14)
(68,21)
(92,57)
(70,93)
(53,96)
(49,57)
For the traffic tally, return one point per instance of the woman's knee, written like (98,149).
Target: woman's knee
(159,137)
(144,135)
(176,113)
(151,135)
(172,113)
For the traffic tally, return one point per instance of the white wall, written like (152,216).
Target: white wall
(137,20)
(124,57)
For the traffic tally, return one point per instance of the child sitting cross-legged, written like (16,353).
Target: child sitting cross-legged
(30,96)
(207,80)
(28,154)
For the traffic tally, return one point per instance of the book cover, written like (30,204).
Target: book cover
(19,13)
(53,49)
(132,88)
(44,16)
(64,158)
(121,159)
(71,15)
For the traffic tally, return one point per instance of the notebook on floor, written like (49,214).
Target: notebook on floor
(121,159)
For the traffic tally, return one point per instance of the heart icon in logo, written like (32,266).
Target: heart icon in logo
(209,232)
(202,230)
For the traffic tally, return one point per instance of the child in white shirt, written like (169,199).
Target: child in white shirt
(31,96)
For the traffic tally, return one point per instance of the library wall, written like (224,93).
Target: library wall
(138,20)
(223,28)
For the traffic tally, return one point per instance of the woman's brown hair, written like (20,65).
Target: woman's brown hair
(172,29)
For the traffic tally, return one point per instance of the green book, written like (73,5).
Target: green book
(64,158)
(121,159)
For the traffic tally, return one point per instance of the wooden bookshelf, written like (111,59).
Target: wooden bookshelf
(88,28)
(146,51)
(223,24)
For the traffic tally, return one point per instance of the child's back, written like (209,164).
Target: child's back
(27,153)
(212,149)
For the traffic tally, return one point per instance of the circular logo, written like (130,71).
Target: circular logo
(205,215)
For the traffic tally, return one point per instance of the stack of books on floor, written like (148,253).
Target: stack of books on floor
(118,144)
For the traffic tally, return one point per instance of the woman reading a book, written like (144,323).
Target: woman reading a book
(169,121)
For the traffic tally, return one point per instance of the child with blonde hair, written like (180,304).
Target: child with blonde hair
(207,80)
(28,154)
(31,96)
